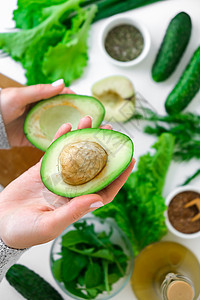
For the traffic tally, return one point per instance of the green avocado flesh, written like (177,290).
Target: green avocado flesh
(117,146)
(45,118)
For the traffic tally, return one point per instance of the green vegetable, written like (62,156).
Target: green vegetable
(190,178)
(173,46)
(30,13)
(71,53)
(90,263)
(107,8)
(187,86)
(139,206)
(184,127)
(30,285)
(52,42)
(34,47)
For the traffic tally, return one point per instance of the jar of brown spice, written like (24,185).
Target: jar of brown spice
(183,212)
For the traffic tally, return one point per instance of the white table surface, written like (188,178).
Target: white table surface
(156,17)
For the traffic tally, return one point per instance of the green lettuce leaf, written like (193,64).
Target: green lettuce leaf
(29,46)
(69,57)
(32,12)
(139,207)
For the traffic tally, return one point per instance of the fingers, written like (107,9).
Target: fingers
(64,128)
(34,93)
(67,91)
(107,126)
(72,211)
(111,190)
(85,122)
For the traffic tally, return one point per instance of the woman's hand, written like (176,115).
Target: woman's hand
(32,215)
(15,102)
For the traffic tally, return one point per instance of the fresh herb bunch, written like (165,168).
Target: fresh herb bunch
(90,263)
(184,127)
(52,40)
(139,206)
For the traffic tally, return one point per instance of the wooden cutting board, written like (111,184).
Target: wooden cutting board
(15,161)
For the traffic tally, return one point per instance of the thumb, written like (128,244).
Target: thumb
(72,211)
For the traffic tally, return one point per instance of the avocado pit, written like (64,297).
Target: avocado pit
(80,162)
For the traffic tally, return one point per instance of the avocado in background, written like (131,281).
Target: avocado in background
(85,161)
(117,94)
(45,118)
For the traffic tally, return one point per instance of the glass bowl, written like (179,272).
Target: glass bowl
(117,237)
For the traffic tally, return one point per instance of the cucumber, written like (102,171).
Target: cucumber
(30,285)
(173,46)
(187,86)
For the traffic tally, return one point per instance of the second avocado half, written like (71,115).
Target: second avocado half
(45,118)
(85,161)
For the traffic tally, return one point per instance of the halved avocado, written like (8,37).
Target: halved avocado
(117,94)
(44,119)
(85,161)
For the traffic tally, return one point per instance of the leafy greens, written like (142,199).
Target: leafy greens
(52,40)
(40,48)
(71,53)
(184,127)
(90,263)
(139,206)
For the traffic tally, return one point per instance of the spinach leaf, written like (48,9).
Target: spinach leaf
(72,264)
(104,253)
(71,286)
(93,275)
(92,293)
(74,237)
(56,269)
(90,263)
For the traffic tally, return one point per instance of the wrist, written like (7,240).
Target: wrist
(4,144)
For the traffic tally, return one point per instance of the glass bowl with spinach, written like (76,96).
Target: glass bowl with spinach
(92,259)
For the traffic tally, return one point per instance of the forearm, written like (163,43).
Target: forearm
(8,256)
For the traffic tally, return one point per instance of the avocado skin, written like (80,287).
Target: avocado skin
(121,144)
(187,86)
(30,285)
(81,98)
(173,46)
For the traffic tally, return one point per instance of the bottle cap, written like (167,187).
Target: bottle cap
(180,290)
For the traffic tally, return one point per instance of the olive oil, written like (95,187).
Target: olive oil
(156,262)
